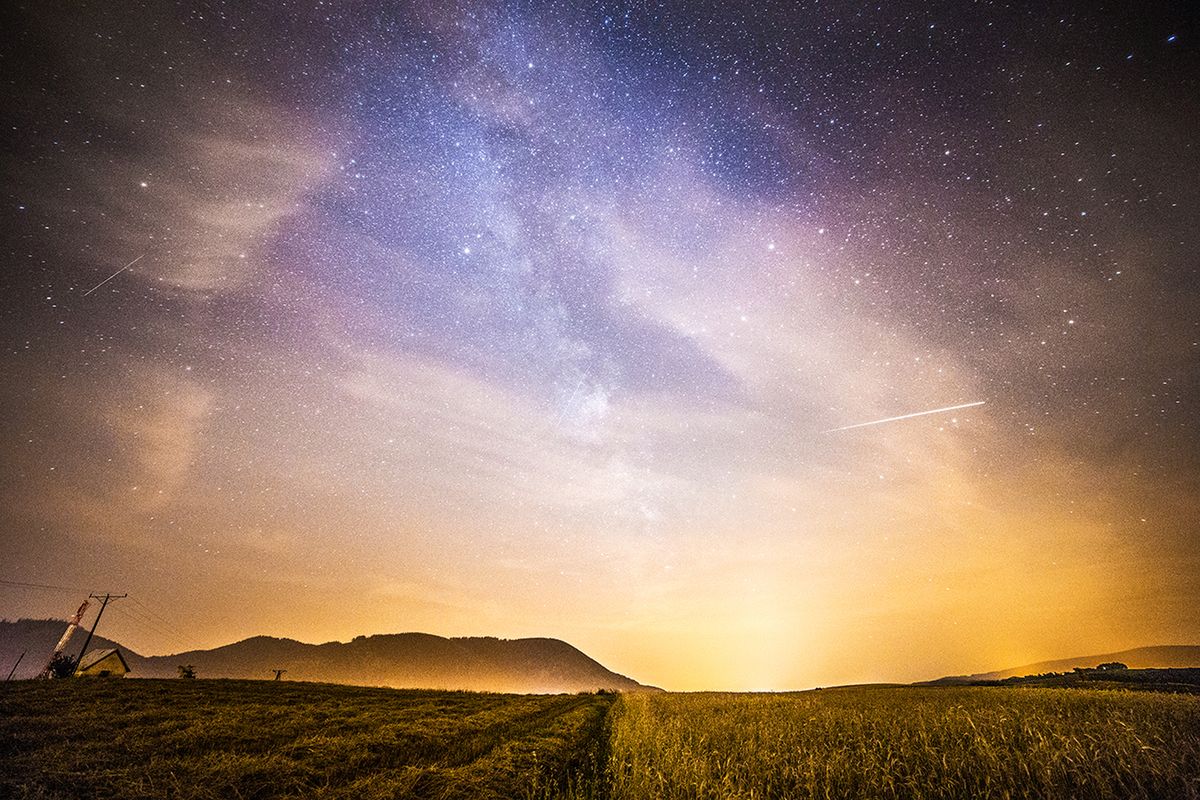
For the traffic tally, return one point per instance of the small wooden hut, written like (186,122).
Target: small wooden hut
(107,663)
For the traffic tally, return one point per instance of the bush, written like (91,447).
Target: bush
(61,666)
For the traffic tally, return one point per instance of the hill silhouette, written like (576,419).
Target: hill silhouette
(402,660)
(1158,657)
(36,638)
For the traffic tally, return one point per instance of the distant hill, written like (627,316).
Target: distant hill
(403,660)
(1161,657)
(36,638)
(1184,679)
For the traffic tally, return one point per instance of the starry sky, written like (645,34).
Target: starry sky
(536,319)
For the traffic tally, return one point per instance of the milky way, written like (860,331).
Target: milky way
(532,319)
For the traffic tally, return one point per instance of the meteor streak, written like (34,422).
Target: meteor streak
(906,416)
(115,274)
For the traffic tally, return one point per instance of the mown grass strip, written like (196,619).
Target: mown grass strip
(196,740)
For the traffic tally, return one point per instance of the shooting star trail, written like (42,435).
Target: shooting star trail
(906,416)
(115,274)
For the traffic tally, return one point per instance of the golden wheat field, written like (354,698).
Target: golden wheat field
(906,743)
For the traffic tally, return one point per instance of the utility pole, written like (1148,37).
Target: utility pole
(104,601)
(14,669)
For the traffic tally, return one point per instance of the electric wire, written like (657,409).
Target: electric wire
(27,585)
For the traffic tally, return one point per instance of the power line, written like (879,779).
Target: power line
(104,601)
(145,616)
(146,624)
(151,612)
(142,621)
(28,585)
(163,623)
(151,620)
(25,585)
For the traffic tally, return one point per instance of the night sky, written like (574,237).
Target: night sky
(538,319)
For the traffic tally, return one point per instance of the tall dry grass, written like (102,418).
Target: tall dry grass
(906,743)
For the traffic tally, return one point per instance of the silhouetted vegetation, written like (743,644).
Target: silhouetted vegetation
(1110,677)
(187,671)
(62,666)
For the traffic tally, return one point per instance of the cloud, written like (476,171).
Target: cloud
(481,441)
(128,454)
(161,437)
(204,203)
(192,171)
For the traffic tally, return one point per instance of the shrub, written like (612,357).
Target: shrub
(61,666)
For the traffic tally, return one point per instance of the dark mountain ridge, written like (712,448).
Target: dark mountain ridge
(1156,657)
(401,660)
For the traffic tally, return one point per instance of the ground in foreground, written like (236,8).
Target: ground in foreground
(208,739)
(198,739)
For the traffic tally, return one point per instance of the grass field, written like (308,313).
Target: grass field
(131,739)
(907,743)
(239,739)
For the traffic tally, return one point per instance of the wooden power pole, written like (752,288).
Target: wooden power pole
(104,601)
